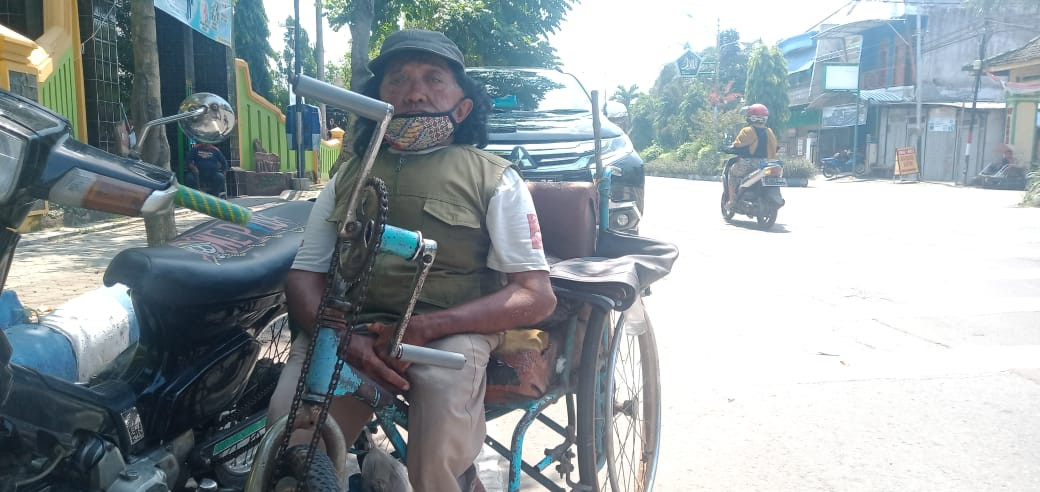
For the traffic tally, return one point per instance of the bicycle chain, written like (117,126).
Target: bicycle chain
(336,283)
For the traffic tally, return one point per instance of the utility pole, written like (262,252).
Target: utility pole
(917,94)
(718,60)
(297,70)
(319,58)
(977,65)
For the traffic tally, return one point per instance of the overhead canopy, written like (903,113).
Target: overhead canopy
(800,60)
(854,28)
(891,95)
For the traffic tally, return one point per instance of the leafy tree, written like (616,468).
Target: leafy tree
(251,43)
(287,64)
(733,60)
(492,32)
(625,95)
(668,115)
(767,84)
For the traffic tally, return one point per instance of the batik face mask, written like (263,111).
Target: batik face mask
(420,131)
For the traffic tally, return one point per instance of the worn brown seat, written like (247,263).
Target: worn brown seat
(523,366)
(567,215)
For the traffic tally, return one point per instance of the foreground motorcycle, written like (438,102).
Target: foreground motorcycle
(758,193)
(175,398)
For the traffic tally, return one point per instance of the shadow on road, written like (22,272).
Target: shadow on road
(751,225)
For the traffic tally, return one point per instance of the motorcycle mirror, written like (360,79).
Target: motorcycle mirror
(204,117)
(212,126)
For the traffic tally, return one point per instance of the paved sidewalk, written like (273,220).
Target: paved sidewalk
(55,265)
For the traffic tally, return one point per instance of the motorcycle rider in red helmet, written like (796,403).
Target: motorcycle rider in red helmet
(755,141)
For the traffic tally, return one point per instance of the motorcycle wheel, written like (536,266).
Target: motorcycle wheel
(861,169)
(828,172)
(275,340)
(321,477)
(727,215)
(766,221)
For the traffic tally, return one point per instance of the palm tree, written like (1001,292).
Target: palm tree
(626,95)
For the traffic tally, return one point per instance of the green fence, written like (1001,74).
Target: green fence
(259,119)
(58,92)
(328,155)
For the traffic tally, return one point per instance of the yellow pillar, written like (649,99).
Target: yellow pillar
(1023,126)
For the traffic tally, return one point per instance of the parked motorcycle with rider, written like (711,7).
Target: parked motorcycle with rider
(174,395)
(751,181)
(842,163)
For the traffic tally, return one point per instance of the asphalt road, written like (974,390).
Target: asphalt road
(882,336)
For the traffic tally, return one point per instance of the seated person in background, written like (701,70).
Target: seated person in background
(206,169)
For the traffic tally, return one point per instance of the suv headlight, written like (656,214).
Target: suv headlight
(615,148)
(12,152)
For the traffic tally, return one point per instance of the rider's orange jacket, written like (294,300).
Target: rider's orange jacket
(748,138)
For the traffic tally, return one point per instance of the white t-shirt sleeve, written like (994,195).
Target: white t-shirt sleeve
(516,238)
(320,237)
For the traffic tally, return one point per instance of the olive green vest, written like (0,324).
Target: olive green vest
(444,194)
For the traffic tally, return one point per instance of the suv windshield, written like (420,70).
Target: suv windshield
(543,91)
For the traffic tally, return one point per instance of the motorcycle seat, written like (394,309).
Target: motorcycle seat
(216,262)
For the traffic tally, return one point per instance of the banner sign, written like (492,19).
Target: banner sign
(844,115)
(906,161)
(212,18)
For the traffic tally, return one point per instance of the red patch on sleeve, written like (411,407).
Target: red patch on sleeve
(536,231)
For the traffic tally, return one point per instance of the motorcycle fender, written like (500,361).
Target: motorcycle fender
(772,194)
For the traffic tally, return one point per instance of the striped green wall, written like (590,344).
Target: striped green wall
(58,92)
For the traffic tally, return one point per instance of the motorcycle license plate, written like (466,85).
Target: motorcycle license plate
(774,182)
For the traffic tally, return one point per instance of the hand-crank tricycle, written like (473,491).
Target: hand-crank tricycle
(603,358)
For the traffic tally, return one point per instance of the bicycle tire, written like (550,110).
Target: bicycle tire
(321,477)
(603,459)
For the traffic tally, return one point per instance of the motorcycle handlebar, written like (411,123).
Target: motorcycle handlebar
(212,206)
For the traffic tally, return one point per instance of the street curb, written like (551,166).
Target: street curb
(65,232)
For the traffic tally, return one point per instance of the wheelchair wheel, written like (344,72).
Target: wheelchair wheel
(619,412)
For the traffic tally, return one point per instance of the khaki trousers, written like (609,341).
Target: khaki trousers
(446,425)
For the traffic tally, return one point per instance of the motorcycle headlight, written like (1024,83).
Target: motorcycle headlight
(12,152)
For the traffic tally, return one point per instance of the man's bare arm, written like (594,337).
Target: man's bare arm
(526,299)
(303,292)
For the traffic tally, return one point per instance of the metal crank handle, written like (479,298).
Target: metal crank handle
(358,104)
(431,357)
(212,206)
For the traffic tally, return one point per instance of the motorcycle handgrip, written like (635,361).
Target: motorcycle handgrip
(358,104)
(212,206)
(432,357)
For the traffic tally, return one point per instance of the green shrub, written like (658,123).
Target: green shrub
(797,167)
(651,153)
(687,151)
(709,161)
(668,164)
(1032,196)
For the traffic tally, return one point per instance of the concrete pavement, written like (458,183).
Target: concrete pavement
(54,265)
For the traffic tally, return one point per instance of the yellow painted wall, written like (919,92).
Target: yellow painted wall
(54,59)
(1023,115)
